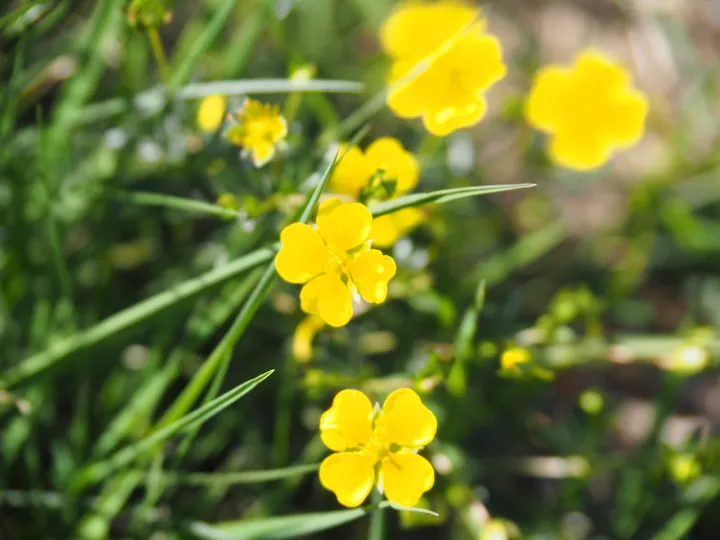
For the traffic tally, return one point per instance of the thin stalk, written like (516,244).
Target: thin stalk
(376,530)
(159,54)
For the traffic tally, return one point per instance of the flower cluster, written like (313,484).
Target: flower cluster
(377,447)
(443,63)
(333,260)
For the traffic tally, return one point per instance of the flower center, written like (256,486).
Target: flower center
(377,446)
(337,263)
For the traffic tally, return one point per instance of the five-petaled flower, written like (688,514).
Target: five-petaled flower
(334,260)
(443,63)
(385,160)
(377,446)
(259,131)
(590,110)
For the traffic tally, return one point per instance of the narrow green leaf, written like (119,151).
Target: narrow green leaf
(217,363)
(682,522)
(179,203)
(464,343)
(155,98)
(183,71)
(236,478)
(275,528)
(97,471)
(95,525)
(132,316)
(414,509)
(440,197)
(268,86)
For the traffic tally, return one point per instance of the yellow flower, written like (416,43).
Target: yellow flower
(211,112)
(385,159)
(303,337)
(513,357)
(453,63)
(684,468)
(261,129)
(378,442)
(590,110)
(333,261)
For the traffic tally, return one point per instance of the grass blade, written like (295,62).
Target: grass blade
(237,478)
(441,196)
(212,30)
(178,203)
(131,317)
(275,528)
(124,457)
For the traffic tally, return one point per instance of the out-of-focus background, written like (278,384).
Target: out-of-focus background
(608,283)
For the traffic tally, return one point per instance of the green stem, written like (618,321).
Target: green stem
(159,54)
(376,529)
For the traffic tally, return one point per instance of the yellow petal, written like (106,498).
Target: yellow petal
(475,62)
(262,153)
(351,174)
(444,121)
(387,229)
(211,112)
(303,337)
(626,120)
(349,476)
(410,93)
(345,227)
(416,30)
(579,151)
(388,155)
(370,272)
(346,425)
(328,297)
(303,254)
(548,99)
(408,423)
(596,72)
(405,477)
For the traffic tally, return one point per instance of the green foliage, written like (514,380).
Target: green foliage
(139,299)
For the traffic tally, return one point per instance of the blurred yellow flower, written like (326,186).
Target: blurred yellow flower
(590,110)
(513,357)
(303,337)
(210,113)
(333,261)
(260,130)
(684,468)
(364,439)
(387,229)
(443,63)
(385,160)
